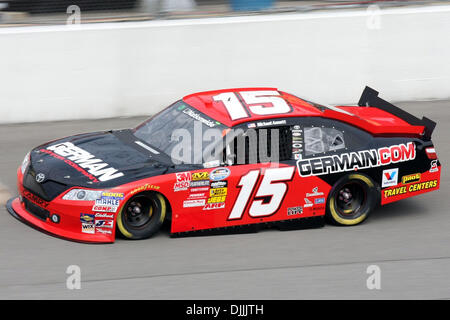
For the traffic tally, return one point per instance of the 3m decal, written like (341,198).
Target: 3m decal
(96,167)
(410,188)
(389,178)
(183,181)
(356,160)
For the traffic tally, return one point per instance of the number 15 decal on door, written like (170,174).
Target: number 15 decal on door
(263,103)
(273,185)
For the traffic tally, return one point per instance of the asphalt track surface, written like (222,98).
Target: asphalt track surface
(409,241)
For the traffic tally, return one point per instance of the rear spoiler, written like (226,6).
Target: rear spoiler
(369,98)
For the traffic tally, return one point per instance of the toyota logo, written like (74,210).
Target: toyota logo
(40,177)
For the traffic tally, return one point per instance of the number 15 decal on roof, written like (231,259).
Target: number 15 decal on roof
(267,102)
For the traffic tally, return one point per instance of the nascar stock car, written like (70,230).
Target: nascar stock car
(272,160)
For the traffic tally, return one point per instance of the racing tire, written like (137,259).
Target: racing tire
(351,200)
(142,216)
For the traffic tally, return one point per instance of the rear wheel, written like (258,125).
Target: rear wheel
(351,200)
(142,216)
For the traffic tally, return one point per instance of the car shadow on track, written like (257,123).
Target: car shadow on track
(405,209)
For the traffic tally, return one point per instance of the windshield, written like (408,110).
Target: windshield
(173,129)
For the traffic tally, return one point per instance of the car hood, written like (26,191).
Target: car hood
(96,160)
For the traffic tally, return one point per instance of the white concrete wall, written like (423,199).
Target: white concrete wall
(123,69)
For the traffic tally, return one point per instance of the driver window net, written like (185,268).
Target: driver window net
(320,140)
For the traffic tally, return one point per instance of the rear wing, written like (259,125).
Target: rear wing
(369,98)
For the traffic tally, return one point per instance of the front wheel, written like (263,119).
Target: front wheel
(142,216)
(351,200)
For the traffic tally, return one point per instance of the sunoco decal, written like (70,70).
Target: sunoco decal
(356,160)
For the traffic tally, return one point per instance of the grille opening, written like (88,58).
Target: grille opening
(35,210)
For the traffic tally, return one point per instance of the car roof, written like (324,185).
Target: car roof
(373,120)
(204,102)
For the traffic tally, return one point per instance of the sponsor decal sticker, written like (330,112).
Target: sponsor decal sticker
(103,208)
(104,224)
(212,206)
(87,218)
(319,200)
(112,195)
(183,181)
(434,167)
(410,188)
(78,157)
(219,174)
(200,189)
(144,188)
(219,184)
(35,199)
(200,183)
(294,211)
(218,192)
(410,178)
(194,203)
(356,160)
(389,178)
(88,228)
(197,116)
(217,199)
(200,176)
(315,192)
(103,231)
(308,203)
(104,215)
(107,202)
(87,223)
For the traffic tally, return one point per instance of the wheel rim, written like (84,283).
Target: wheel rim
(139,212)
(350,199)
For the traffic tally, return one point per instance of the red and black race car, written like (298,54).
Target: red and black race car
(232,160)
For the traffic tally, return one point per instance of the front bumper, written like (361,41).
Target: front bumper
(17,209)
